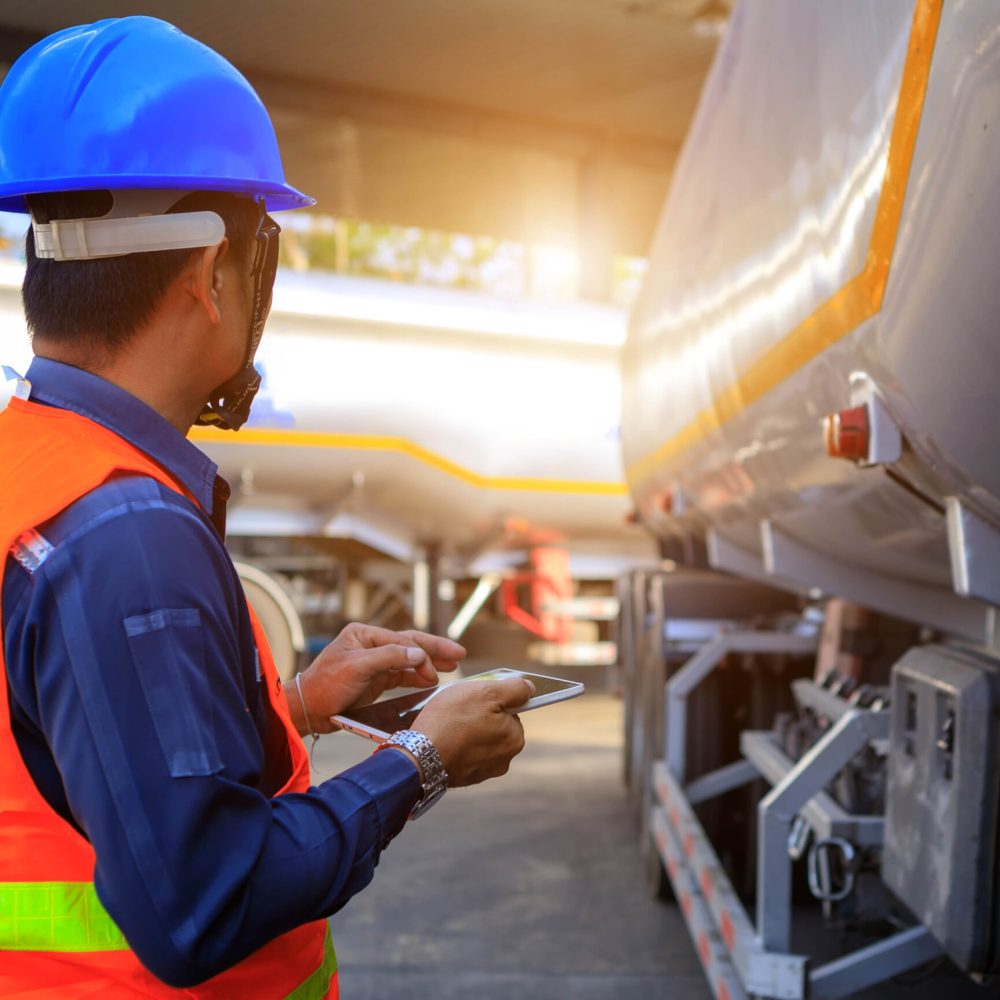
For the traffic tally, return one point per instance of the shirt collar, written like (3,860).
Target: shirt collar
(89,395)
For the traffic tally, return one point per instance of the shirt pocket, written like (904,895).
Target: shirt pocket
(168,651)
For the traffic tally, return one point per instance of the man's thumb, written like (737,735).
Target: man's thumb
(515,692)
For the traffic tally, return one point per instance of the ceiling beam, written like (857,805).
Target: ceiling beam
(461,190)
(310,99)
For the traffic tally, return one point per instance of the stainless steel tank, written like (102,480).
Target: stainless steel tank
(405,417)
(408,416)
(830,241)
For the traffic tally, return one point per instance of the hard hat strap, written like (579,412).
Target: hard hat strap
(136,223)
(229,405)
(87,239)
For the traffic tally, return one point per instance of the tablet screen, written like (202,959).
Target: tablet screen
(398,713)
(392,715)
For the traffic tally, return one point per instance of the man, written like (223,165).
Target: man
(158,835)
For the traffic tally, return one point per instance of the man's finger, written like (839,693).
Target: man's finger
(437,646)
(375,660)
(513,693)
(444,653)
(372,636)
(413,678)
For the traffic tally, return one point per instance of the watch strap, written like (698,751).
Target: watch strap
(434,778)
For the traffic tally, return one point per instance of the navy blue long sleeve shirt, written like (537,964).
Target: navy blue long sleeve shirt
(136,703)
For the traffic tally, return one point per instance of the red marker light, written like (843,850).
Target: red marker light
(847,434)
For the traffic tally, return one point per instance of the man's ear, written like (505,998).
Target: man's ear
(205,278)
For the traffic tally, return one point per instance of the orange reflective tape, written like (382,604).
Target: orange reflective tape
(861,297)
(909,108)
(728,932)
(704,949)
(707,887)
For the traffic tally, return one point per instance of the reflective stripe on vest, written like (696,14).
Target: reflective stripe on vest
(69,916)
(55,916)
(317,985)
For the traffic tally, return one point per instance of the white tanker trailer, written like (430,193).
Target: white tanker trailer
(469,438)
(438,418)
(406,437)
(810,391)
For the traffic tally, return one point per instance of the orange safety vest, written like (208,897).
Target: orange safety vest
(56,937)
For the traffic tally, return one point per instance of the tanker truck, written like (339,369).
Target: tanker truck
(810,381)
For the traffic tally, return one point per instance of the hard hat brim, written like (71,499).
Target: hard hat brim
(277,197)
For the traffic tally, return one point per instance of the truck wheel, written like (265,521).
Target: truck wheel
(281,623)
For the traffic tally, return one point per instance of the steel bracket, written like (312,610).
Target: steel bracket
(806,779)
(885,441)
(722,932)
(974,547)
(789,560)
(701,664)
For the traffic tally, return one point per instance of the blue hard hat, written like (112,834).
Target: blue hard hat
(133,102)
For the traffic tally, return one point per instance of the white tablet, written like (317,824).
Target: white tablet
(383,718)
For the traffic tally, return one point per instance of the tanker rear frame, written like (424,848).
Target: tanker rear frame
(816,791)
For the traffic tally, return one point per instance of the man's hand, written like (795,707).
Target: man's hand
(361,663)
(474,733)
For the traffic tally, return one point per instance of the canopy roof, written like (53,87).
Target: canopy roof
(544,120)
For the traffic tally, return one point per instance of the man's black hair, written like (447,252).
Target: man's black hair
(95,306)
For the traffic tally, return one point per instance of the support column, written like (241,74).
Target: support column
(596,227)
(422,593)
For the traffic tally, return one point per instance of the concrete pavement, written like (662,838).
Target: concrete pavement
(528,887)
(531,887)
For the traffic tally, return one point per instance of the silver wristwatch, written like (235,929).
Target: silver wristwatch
(434,776)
